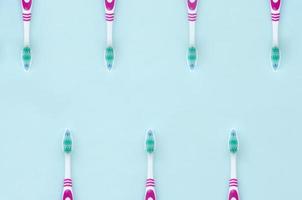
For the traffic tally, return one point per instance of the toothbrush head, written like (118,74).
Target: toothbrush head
(192,57)
(150,142)
(233,142)
(109,57)
(26,57)
(275,57)
(67,142)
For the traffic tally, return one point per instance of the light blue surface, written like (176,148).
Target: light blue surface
(192,113)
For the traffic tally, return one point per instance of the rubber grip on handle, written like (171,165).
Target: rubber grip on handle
(67,191)
(233,191)
(109,5)
(192,4)
(275,4)
(26,4)
(150,190)
(233,194)
(67,195)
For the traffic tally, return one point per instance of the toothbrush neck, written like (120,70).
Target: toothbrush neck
(192,33)
(150,166)
(109,33)
(233,166)
(67,165)
(275,33)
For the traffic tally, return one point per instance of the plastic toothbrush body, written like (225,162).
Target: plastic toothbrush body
(192,15)
(233,183)
(26,14)
(67,145)
(150,193)
(275,12)
(109,17)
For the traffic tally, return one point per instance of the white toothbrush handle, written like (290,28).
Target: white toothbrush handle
(109,17)
(192,16)
(26,14)
(275,14)
(67,190)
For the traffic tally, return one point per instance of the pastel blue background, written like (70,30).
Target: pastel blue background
(192,113)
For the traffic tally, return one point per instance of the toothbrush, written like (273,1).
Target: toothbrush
(275,12)
(150,193)
(192,51)
(233,147)
(26,52)
(67,147)
(109,17)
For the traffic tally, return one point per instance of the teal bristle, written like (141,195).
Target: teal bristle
(109,57)
(192,57)
(26,57)
(275,57)
(233,142)
(67,142)
(150,142)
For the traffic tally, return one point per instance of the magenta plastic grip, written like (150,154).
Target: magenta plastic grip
(150,189)
(192,4)
(233,191)
(26,4)
(275,4)
(109,5)
(109,10)
(67,191)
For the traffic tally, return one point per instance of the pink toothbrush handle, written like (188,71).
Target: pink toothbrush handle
(67,190)
(233,191)
(275,9)
(150,189)
(109,10)
(192,10)
(26,4)
(26,10)
(192,5)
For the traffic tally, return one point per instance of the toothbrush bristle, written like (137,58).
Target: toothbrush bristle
(26,57)
(67,142)
(150,142)
(275,57)
(233,142)
(109,57)
(192,57)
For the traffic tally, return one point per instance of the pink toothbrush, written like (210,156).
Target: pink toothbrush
(150,193)
(233,147)
(26,52)
(192,15)
(109,17)
(275,53)
(67,146)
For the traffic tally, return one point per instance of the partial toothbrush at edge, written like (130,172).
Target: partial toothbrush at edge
(233,183)
(26,52)
(150,193)
(67,148)
(275,52)
(192,16)
(109,17)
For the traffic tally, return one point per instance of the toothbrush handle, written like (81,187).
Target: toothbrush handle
(109,10)
(67,190)
(26,10)
(233,190)
(150,189)
(275,10)
(275,5)
(192,5)
(192,10)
